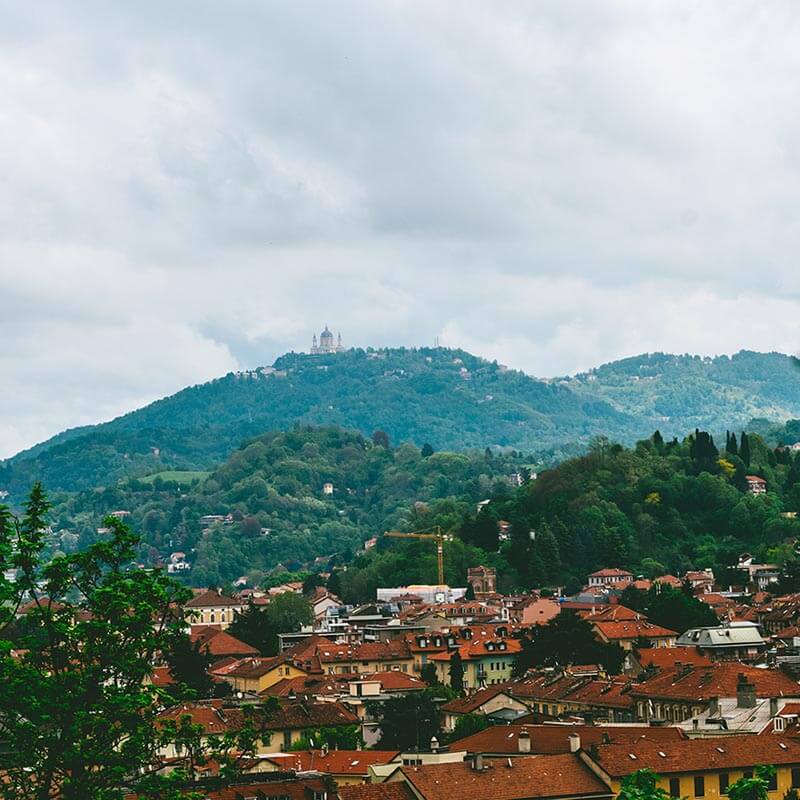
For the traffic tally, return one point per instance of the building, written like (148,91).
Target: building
(686,691)
(731,641)
(756,484)
(629,633)
(484,702)
(485,662)
(483,580)
(699,768)
(610,577)
(558,777)
(211,607)
(326,344)
(507,741)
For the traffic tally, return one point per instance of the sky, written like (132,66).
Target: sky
(189,188)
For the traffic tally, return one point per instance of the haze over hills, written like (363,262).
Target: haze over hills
(448,398)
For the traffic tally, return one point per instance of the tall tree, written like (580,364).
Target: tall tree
(188,664)
(744,448)
(77,717)
(456,673)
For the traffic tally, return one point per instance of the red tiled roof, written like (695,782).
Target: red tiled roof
(161,676)
(211,598)
(217,642)
(527,778)
(550,739)
(376,791)
(611,613)
(301,789)
(334,762)
(665,657)
(466,705)
(478,649)
(696,755)
(719,680)
(632,629)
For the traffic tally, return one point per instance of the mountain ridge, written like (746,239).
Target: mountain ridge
(447,397)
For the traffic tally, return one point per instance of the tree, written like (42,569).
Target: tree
(755,788)
(288,612)
(456,673)
(254,627)
(334,584)
(311,582)
(381,439)
(676,610)
(470,593)
(77,717)
(188,664)
(426,451)
(566,639)
(744,448)
(642,785)
(466,725)
(407,723)
(429,675)
(658,441)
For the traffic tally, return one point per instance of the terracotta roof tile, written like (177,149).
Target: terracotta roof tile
(551,739)
(696,755)
(527,778)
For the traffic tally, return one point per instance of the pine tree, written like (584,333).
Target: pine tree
(744,449)
(658,440)
(732,447)
(456,673)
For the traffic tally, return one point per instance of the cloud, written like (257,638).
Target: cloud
(195,187)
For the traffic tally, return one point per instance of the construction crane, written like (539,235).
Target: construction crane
(438,537)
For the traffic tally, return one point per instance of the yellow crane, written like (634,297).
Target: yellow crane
(439,537)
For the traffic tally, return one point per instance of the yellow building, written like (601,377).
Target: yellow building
(699,768)
(485,662)
(254,675)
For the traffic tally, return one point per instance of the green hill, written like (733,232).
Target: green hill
(447,398)
(677,393)
(274,491)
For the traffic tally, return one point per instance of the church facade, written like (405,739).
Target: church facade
(326,343)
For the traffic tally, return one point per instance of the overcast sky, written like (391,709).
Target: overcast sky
(192,187)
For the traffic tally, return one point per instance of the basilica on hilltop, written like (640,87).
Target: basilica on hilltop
(326,343)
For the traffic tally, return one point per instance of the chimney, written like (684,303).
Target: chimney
(745,692)
(434,744)
(713,707)
(574,743)
(773,707)
(477,762)
(524,741)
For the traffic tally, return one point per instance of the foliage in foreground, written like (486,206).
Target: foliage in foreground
(78,717)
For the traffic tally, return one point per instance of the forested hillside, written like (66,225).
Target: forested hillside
(449,398)
(273,488)
(677,393)
(660,507)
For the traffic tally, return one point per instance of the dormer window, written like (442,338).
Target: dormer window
(490,645)
(423,642)
(502,645)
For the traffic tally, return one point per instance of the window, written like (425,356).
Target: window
(699,785)
(795,777)
(675,787)
(748,773)
(773,782)
(724,780)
